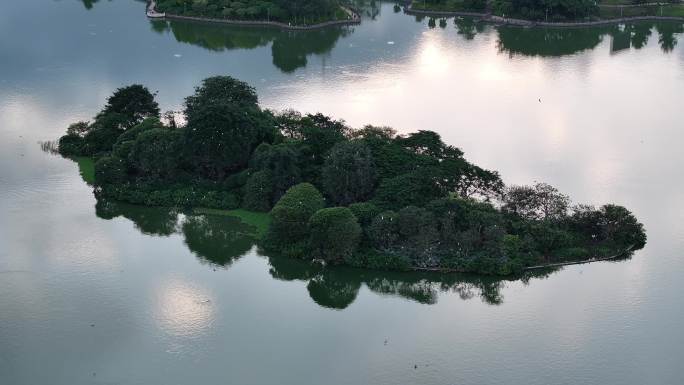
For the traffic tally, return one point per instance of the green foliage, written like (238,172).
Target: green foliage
(100,139)
(282,162)
(317,133)
(383,231)
(71,145)
(78,129)
(291,215)
(259,221)
(154,154)
(538,202)
(371,259)
(170,196)
(293,11)
(224,126)
(258,192)
(413,200)
(451,5)
(416,188)
(132,133)
(134,103)
(543,9)
(335,233)
(611,224)
(86,168)
(349,173)
(110,170)
(365,212)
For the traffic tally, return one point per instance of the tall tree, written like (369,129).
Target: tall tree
(349,174)
(134,103)
(224,126)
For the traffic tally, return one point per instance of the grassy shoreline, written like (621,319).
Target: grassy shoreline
(260,221)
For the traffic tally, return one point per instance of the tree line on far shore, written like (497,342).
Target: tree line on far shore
(364,197)
(285,11)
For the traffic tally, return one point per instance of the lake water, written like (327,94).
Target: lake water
(113,294)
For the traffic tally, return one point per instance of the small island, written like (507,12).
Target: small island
(363,197)
(297,14)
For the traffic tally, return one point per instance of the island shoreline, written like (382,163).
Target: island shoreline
(152,13)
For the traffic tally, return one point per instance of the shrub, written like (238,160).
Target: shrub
(110,170)
(364,212)
(335,233)
(258,191)
(71,145)
(155,154)
(292,213)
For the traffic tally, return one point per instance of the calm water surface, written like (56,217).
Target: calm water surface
(113,294)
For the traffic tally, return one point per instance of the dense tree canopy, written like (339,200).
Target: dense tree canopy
(335,233)
(224,126)
(413,201)
(134,103)
(349,174)
(290,225)
(292,11)
(526,9)
(547,9)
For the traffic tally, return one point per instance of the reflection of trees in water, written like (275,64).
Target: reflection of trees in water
(219,240)
(215,239)
(667,38)
(289,49)
(149,220)
(468,27)
(88,4)
(337,287)
(331,290)
(553,42)
(639,34)
(548,41)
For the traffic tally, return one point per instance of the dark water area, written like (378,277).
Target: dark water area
(106,293)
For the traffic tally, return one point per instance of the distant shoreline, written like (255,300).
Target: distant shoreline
(152,13)
(498,20)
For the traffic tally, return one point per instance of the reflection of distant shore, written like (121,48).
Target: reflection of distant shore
(289,49)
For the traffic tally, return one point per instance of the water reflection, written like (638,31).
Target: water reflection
(556,42)
(289,49)
(218,240)
(221,240)
(148,220)
(214,239)
(183,309)
(88,4)
(668,35)
(337,287)
(468,27)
